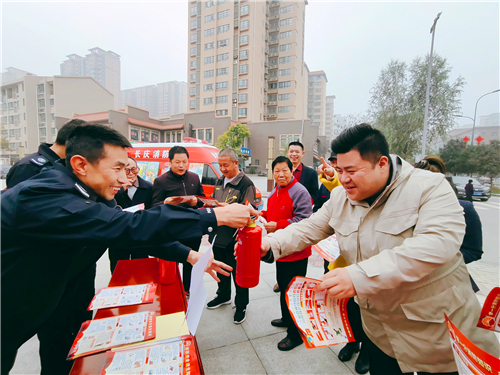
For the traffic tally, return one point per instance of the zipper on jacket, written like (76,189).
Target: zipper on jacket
(185,192)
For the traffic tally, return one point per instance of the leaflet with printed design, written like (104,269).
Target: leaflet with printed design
(328,248)
(175,356)
(321,319)
(469,358)
(101,334)
(123,296)
(490,314)
(135,208)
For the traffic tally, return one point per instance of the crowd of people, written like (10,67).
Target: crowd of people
(403,235)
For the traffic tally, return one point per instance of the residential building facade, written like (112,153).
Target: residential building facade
(31,103)
(245,59)
(316,103)
(329,117)
(162,99)
(103,66)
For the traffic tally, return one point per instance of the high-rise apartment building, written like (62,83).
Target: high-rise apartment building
(103,66)
(163,99)
(329,118)
(316,103)
(245,59)
(30,105)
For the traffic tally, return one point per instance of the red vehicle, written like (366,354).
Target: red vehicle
(152,161)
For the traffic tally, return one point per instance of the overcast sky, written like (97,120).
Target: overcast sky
(350,41)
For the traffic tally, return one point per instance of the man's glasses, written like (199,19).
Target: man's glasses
(131,170)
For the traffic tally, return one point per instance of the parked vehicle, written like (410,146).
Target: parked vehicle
(480,191)
(152,161)
(4,169)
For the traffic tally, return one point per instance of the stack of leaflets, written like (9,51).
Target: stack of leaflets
(328,249)
(123,296)
(321,318)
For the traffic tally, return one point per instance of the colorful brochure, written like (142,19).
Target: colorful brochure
(490,314)
(328,248)
(101,334)
(469,358)
(321,319)
(123,296)
(173,356)
(135,208)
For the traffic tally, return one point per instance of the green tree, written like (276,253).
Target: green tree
(453,155)
(4,143)
(487,159)
(397,103)
(233,137)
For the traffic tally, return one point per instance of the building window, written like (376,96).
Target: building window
(155,136)
(317,104)
(242,112)
(286,47)
(208,60)
(317,83)
(41,104)
(272,86)
(317,117)
(274,25)
(286,22)
(192,24)
(41,88)
(193,11)
(284,97)
(208,73)
(286,35)
(244,54)
(144,135)
(242,98)
(209,46)
(223,43)
(244,69)
(317,97)
(283,85)
(285,60)
(244,25)
(51,101)
(243,40)
(244,10)
(222,71)
(210,18)
(192,91)
(209,87)
(192,64)
(192,104)
(208,101)
(286,139)
(284,109)
(286,9)
(192,77)
(221,112)
(222,29)
(221,99)
(192,51)
(209,4)
(167,137)
(284,72)
(134,134)
(273,37)
(209,32)
(208,135)
(43,132)
(223,57)
(243,83)
(53,131)
(221,85)
(317,90)
(220,2)
(179,136)
(52,117)
(192,38)
(223,14)
(273,49)
(41,117)
(275,12)
(317,110)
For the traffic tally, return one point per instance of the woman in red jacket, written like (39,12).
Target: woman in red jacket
(288,203)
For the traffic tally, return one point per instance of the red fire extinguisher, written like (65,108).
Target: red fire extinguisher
(248,253)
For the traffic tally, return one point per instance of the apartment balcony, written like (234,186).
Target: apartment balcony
(41,125)
(272,91)
(274,28)
(273,18)
(273,42)
(274,54)
(274,3)
(272,103)
(273,66)
(273,79)
(271,116)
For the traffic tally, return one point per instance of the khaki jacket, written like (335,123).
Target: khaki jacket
(405,264)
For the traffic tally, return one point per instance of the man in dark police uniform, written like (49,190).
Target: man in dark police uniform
(49,219)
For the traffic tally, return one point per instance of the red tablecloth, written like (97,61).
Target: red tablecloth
(169,299)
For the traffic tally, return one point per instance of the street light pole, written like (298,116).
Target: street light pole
(475,111)
(427,94)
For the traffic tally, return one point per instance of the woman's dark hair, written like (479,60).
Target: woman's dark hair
(282,159)
(177,150)
(89,140)
(370,143)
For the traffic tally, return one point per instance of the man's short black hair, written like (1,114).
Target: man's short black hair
(282,159)
(470,181)
(89,140)
(65,131)
(370,143)
(177,150)
(296,143)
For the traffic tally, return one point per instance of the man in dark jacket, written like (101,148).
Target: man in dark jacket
(469,191)
(234,187)
(135,191)
(48,220)
(46,156)
(170,187)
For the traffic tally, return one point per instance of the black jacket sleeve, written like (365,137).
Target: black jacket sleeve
(472,245)
(158,193)
(310,181)
(20,173)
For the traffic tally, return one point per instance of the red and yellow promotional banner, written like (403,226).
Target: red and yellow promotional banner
(490,314)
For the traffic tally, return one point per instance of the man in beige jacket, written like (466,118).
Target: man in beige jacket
(400,231)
